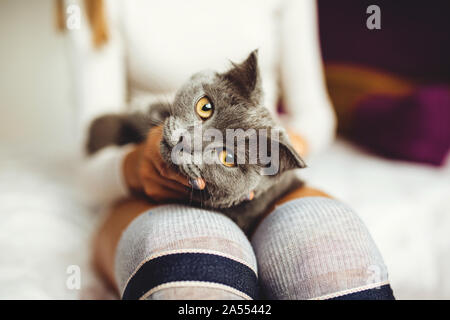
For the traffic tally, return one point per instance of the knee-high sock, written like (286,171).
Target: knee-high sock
(178,252)
(318,248)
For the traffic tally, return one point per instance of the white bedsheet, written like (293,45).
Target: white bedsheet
(44,228)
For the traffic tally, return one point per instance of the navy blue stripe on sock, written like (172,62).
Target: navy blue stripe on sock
(191,267)
(381,293)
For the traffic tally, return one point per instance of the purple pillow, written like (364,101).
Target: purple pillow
(414,128)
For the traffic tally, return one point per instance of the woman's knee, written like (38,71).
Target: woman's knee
(316,247)
(178,252)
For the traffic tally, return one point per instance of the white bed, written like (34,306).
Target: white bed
(45,228)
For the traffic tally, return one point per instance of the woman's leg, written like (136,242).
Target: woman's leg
(175,252)
(105,242)
(314,247)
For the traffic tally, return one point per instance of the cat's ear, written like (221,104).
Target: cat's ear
(289,158)
(282,156)
(245,77)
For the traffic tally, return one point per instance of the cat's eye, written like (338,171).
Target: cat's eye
(227,158)
(204,108)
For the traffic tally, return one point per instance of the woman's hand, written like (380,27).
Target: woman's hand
(145,171)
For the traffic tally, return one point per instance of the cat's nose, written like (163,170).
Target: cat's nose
(181,140)
(177,132)
(184,143)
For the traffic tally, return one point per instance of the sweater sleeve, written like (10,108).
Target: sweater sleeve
(309,110)
(99,86)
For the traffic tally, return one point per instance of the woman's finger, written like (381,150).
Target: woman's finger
(152,177)
(168,191)
(167,172)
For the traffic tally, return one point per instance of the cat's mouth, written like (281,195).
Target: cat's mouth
(192,173)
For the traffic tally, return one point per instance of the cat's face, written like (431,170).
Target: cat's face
(198,135)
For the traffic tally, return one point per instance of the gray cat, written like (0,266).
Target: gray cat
(219,101)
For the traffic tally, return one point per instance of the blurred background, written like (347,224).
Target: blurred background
(390,89)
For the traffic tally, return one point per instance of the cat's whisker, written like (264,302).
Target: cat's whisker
(191,195)
(153,121)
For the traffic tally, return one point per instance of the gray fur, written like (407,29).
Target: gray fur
(238,103)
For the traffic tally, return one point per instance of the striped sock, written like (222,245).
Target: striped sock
(178,252)
(318,248)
